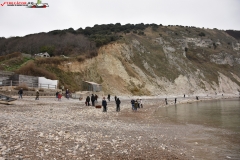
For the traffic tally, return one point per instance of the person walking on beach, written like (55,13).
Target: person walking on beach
(87,101)
(166,101)
(67,94)
(184,96)
(37,95)
(59,96)
(138,101)
(92,99)
(115,98)
(141,105)
(104,104)
(175,100)
(96,97)
(20,93)
(118,105)
(132,102)
(108,97)
(135,105)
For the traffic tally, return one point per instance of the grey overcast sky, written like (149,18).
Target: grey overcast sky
(63,14)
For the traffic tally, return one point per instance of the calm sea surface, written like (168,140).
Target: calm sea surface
(220,113)
(221,126)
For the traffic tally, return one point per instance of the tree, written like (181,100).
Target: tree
(49,49)
(201,34)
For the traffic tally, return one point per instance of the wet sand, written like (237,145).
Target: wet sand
(67,129)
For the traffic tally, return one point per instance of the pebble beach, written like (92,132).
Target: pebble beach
(68,129)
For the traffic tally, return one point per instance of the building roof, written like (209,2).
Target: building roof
(93,83)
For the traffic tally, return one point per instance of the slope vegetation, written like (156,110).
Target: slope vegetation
(149,60)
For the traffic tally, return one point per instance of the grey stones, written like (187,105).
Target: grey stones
(76,131)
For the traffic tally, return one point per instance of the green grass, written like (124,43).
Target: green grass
(14,63)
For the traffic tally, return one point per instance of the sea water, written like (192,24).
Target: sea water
(219,136)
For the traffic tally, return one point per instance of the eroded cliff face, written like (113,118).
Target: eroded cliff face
(166,61)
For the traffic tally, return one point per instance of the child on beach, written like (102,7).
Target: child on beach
(59,96)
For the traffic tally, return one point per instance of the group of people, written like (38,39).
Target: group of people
(59,94)
(117,101)
(136,104)
(20,94)
(175,100)
(93,100)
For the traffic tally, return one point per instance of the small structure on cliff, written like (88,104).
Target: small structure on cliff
(42,55)
(92,86)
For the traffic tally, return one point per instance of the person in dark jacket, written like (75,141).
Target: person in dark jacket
(135,105)
(37,95)
(92,99)
(104,104)
(132,102)
(118,104)
(108,97)
(57,94)
(20,93)
(87,101)
(175,100)
(67,94)
(115,98)
(166,101)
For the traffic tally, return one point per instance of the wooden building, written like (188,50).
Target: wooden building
(92,86)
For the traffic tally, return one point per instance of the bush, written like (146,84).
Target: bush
(201,34)
(41,90)
(9,56)
(49,49)
(52,60)
(32,70)
(80,58)
(140,33)
(23,86)
(92,54)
